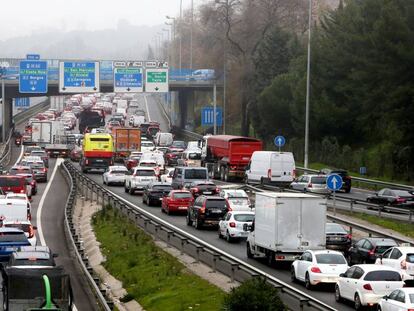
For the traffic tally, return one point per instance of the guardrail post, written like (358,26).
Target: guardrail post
(103,199)
(183,241)
(86,192)
(198,248)
(83,201)
(352,206)
(234,266)
(410,216)
(380,210)
(215,257)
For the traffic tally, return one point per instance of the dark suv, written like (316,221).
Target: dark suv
(346,179)
(207,210)
(367,250)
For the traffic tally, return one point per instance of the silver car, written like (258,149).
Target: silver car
(311,183)
(114,175)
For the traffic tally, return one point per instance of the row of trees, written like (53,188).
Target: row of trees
(361,76)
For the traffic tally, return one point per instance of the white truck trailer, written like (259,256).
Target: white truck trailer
(285,225)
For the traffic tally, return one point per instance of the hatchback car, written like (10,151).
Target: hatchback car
(311,183)
(114,175)
(15,184)
(155,192)
(28,150)
(26,226)
(392,197)
(39,170)
(400,258)
(177,201)
(399,299)
(317,267)
(365,285)
(337,237)
(42,154)
(37,257)
(237,198)
(202,187)
(231,227)
(31,181)
(20,169)
(207,210)
(138,178)
(10,240)
(367,250)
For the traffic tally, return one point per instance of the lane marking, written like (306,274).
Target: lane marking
(21,155)
(42,200)
(146,107)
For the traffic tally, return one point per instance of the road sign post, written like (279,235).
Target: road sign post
(33,76)
(279,141)
(128,80)
(334,183)
(156,80)
(78,77)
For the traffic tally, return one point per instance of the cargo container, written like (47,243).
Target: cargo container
(126,140)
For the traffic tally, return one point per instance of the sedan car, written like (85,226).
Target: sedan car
(10,240)
(237,198)
(392,197)
(155,192)
(172,156)
(366,285)
(177,201)
(367,250)
(42,154)
(231,227)
(114,175)
(399,299)
(337,237)
(316,267)
(311,183)
(400,258)
(207,210)
(202,187)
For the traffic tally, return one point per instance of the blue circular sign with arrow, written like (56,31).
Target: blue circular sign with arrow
(279,141)
(334,182)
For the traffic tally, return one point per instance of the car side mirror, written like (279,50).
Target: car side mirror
(385,297)
(34,227)
(343,275)
(55,255)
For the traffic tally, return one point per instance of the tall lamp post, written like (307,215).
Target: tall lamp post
(180,41)
(306,155)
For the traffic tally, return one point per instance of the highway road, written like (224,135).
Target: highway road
(48,215)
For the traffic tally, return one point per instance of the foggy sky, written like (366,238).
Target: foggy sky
(24,17)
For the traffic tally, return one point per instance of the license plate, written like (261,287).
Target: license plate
(144,179)
(215,211)
(160,199)
(55,152)
(182,207)
(99,160)
(207,192)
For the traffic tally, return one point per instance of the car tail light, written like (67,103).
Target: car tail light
(316,270)
(401,200)
(269,173)
(367,286)
(280,257)
(371,252)
(44,169)
(31,231)
(309,185)
(217,190)
(195,189)
(228,206)
(294,173)
(403,264)
(203,209)
(349,236)
(86,161)
(22,191)
(232,224)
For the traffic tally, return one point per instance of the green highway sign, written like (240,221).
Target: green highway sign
(156,80)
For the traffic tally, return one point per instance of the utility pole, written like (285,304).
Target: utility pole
(306,155)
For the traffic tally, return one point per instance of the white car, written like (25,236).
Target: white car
(311,183)
(139,177)
(316,267)
(231,227)
(400,258)
(114,175)
(167,177)
(26,226)
(365,285)
(401,299)
(147,146)
(237,198)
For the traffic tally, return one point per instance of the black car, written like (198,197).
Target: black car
(346,179)
(172,156)
(367,250)
(207,210)
(202,187)
(154,192)
(392,197)
(337,237)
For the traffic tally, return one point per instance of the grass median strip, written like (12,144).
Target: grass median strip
(154,278)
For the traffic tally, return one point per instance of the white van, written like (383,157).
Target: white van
(271,167)
(14,209)
(163,139)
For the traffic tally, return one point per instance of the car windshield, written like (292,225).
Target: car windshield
(216,203)
(119,172)
(15,171)
(195,174)
(182,195)
(9,182)
(403,193)
(410,258)
(244,217)
(383,275)
(12,237)
(194,156)
(144,173)
(319,180)
(334,228)
(332,259)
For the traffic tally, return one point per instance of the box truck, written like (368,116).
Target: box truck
(126,140)
(285,225)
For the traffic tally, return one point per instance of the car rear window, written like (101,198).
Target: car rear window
(119,172)
(332,259)
(38,153)
(382,248)
(10,182)
(20,171)
(194,156)
(100,139)
(195,174)
(24,227)
(37,165)
(330,228)
(319,180)
(382,275)
(144,173)
(216,203)
(410,258)
(13,237)
(244,217)
(162,188)
(182,195)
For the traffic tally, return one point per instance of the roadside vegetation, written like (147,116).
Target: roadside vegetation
(154,278)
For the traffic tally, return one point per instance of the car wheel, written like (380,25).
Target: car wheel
(219,233)
(149,202)
(226,175)
(349,259)
(168,210)
(308,284)
(228,237)
(103,181)
(249,251)
(188,220)
(293,275)
(262,181)
(357,303)
(270,259)
(125,188)
(197,224)
(338,297)
(131,191)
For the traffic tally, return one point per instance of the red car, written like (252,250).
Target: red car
(177,201)
(15,184)
(131,162)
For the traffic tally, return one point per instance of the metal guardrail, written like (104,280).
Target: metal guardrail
(28,113)
(218,260)
(93,280)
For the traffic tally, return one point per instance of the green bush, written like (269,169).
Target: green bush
(254,294)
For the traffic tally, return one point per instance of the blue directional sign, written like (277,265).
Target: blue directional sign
(22,102)
(207,116)
(334,182)
(33,76)
(32,56)
(78,77)
(279,141)
(128,79)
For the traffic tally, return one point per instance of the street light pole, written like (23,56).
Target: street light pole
(191,35)
(181,30)
(306,155)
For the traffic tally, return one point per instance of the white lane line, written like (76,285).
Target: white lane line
(42,200)
(20,156)
(146,107)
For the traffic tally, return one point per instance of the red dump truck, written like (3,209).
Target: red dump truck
(226,156)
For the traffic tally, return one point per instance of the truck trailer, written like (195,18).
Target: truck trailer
(126,140)
(226,156)
(285,225)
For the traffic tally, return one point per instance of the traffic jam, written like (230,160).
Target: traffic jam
(110,134)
